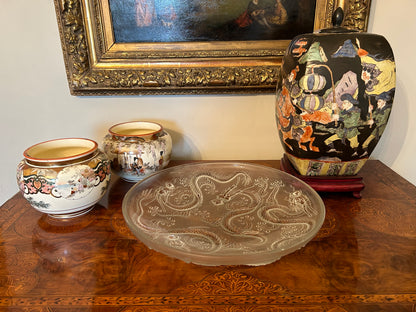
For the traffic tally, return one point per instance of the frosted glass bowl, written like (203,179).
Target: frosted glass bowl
(223,213)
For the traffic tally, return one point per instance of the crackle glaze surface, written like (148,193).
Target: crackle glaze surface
(222,213)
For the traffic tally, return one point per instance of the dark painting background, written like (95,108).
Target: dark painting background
(209,20)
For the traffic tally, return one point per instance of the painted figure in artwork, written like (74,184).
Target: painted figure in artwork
(145,12)
(136,21)
(346,94)
(379,75)
(340,113)
(137,165)
(302,131)
(347,121)
(286,111)
(378,119)
(279,15)
(294,127)
(257,13)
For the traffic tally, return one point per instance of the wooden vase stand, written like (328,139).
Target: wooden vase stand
(353,184)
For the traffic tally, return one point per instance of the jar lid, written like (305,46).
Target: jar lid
(337,19)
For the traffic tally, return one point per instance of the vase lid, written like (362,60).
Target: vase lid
(337,19)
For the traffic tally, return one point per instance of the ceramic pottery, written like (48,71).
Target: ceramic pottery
(137,149)
(65,177)
(334,99)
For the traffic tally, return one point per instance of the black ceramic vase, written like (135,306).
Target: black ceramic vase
(334,99)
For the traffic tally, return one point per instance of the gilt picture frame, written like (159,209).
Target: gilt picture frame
(100,61)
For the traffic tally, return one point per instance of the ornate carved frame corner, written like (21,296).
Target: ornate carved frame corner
(97,65)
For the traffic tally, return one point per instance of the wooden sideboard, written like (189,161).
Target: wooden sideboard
(363,259)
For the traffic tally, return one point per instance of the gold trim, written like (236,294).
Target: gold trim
(96,65)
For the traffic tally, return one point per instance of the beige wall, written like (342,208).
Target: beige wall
(37,105)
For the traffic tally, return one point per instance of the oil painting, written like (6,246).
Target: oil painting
(214,20)
(157,47)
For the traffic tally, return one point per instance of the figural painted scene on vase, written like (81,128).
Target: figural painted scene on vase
(137,149)
(334,100)
(64,178)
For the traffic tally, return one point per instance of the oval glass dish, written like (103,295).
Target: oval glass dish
(223,213)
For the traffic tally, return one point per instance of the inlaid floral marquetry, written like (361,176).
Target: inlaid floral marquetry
(231,283)
(363,259)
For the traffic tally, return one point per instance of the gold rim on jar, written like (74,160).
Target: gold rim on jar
(135,129)
(60,151)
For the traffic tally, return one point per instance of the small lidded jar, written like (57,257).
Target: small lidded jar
(137,149)
(64,177)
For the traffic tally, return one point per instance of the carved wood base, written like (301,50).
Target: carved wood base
(346,184)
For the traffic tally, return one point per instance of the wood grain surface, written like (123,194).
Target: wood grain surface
(363,259)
